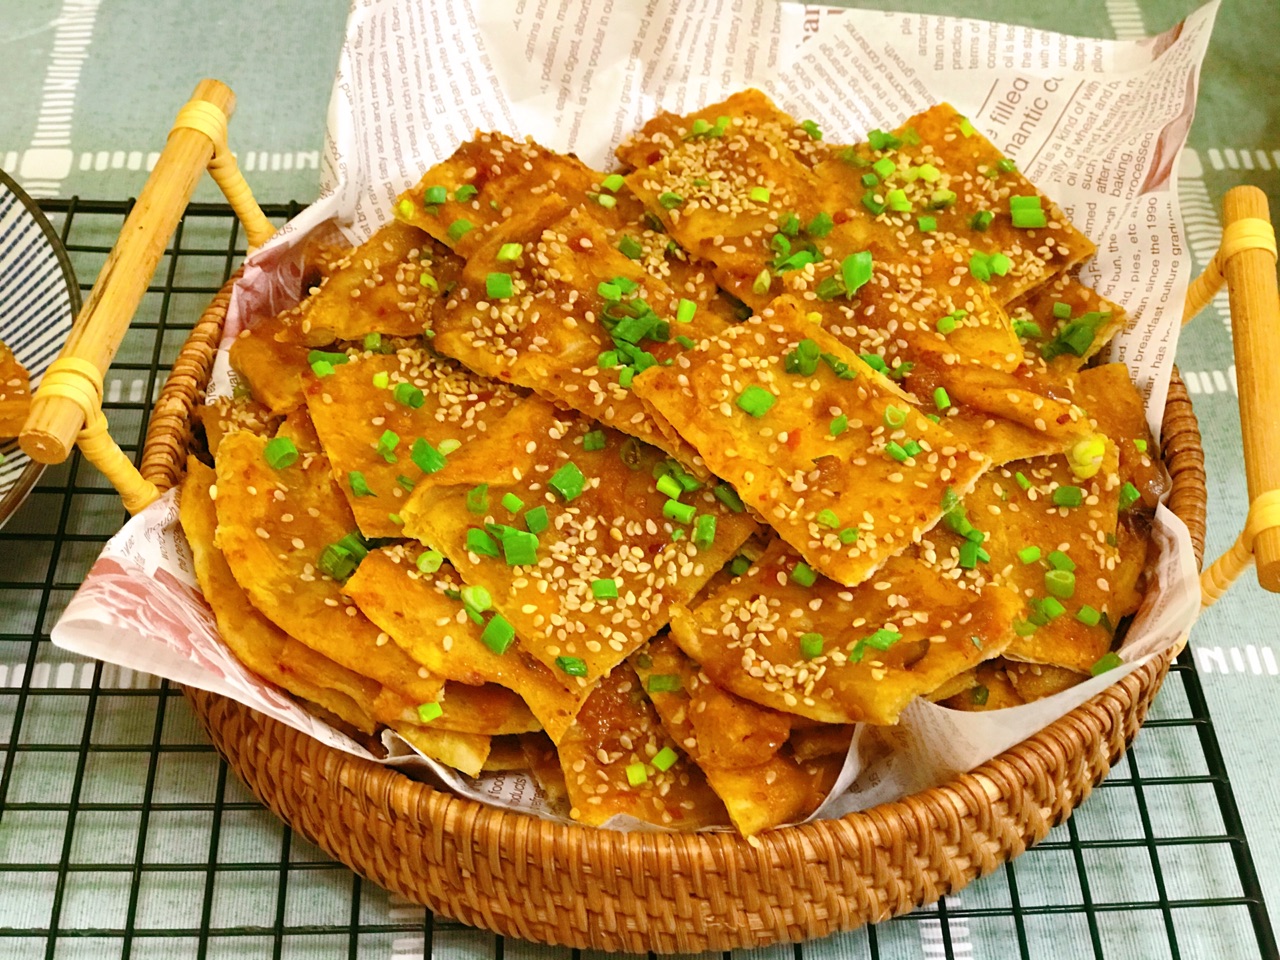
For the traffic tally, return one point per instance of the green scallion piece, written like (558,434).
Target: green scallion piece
(1088,616)
(594,440)
(873,203)
(664,759)
(512,503)
(828,518)
(1061,311)
(756,401)
(789,226)
(981,220)
(966,128)
(896,200)
(630,248)
(1051,608)
(941,199)
(947,324)
(336,562)
(820,225)
(704,530)
(839,425)
(536,519)
(1060,584)
(968,555)
(855,270)
(1106,662)
(729,497)
(359,486)
(1027,329)
(803,574)
(573,666)
(1024,628)
(498,634)
(1029,219)
(429,711)
(435,195)
(895,417)
(481,543)
(510,252)
(1029,554)
(280,453)
(373,342)
(1060,561)
(1069,496)
(612,183)
(685,311)
(884,167)
(382,380)
(606,589)
(429,561)
(476,598)
(1129,495)
(478,499)
(739,565)
(760,285)
(760,194)
(849,535)
(926,224)
(670,487)
(407,395)
(896,450)
(1140,446)
(460,228)
(607,360)
(426,457)
(811,645)
(870,180)
(664,683)
(941,399)
(1022,480)
(568,481)
(333,358)
(498,286)
(387,444)
(636,773)
(812,129)
(679,512)
(669,200)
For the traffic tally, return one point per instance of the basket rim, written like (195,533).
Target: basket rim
(966,794)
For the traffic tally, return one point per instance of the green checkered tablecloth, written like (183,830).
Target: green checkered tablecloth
(121,834)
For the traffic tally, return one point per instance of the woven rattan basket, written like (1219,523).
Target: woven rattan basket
(558,884)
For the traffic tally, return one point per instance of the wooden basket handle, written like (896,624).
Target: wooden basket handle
(67,406)
(1246,261)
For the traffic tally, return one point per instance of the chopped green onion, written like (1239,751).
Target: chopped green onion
(630,248)
(499,633)
(828,518)
(664,759)
(789,225)
(429,561)
(1029,219)
(435,195)
(1129,495)
(979,695)
(460,228)
(820,225)
(1028,329)
(1088,616)
(1024,203)
(1029,554)
(1105,663)
(759,194)
(406,483)
(1023,482)
(729,497)
(879,140)
(966,128)
(334,359)
(510,252)
(337,562)
(670,486)
(685,310)
(498,286)
(536,519)
(896,200)
(1051,608)
(849,535)
(968,555)
(512,503)
(947,324)
(760,286)
(574,667)
(607,360)
(981,220)
(811,645)
(839,425)
(664,683)
(873,203)
(478,499)
(884,167)
(704,530)
(612,183)
(895,417)
(756,401)
(811,128)
(1140,445)
(593,440)
(941,399)
(280,453)
(739,565)
(895,450)
(669,200)
(387,444)
(803,574)
(870,180)
(926,224)
(429,711)
(679,512)
(804,358)
(1060,583)
(912,447)
(941,199)
(1061,311)
(1006,165)
(568,481)
(604,589)
(407,395)
(359,487)
(1024,628)
(1069,496)
(426,457)
(1060,561)
(686,342)
(382,379)
(636,774)
(477,598)
(481,543)
(465,193)
(855,270)
(928,172)
(373,342)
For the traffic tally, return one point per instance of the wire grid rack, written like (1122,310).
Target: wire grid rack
(122,835)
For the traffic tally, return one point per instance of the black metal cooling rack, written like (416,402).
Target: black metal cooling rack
(121,834)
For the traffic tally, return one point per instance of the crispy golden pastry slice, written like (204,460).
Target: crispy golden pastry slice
(489,709)
(1114,405)
(274,525)
(936,166)
(739,746)
(467,752)
(1039,529)
(544,763)
(226,415)
(992,690)
(273,368)
(1064,323)
(15,393)
(383,418)
(373,289)
(826,740)
(571,318)
(506,755)
(463,199)
(831,455)
(956,685)
(783,638)
(608,761)
(563,524)
(1035,681)
(257,642)
(424,614)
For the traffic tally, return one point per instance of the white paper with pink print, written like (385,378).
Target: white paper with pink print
(1097,124)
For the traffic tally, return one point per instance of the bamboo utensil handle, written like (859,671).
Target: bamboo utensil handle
(1255,319)
(55,420)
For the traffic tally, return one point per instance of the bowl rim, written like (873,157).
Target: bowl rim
(11,500)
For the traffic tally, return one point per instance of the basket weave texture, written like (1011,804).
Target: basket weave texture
(576,886)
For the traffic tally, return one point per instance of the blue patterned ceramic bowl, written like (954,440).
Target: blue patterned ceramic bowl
(39,298)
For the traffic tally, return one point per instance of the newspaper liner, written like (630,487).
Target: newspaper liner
(1099,125)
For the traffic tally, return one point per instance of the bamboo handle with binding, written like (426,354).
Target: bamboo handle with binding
(55,421)
(1255,321)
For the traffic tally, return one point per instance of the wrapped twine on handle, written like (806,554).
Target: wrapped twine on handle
(1246,262)
(67,406)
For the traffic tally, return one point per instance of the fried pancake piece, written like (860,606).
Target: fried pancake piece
(496,175)
(488,709)
(373,430)
(1081,540)
(506,755)
(821,457)
(1114,405)
(1035,681)
(544,763)
(992,690)
(273,368)
(604,521)
(897,636)
(607,759)
(417,610)
(273,526)
(15,394)
(739,746)
(950,172)
(549,335)
(827,740)
(226,415)
(257,642)
(374,288)
(1065,343)
(467,752)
